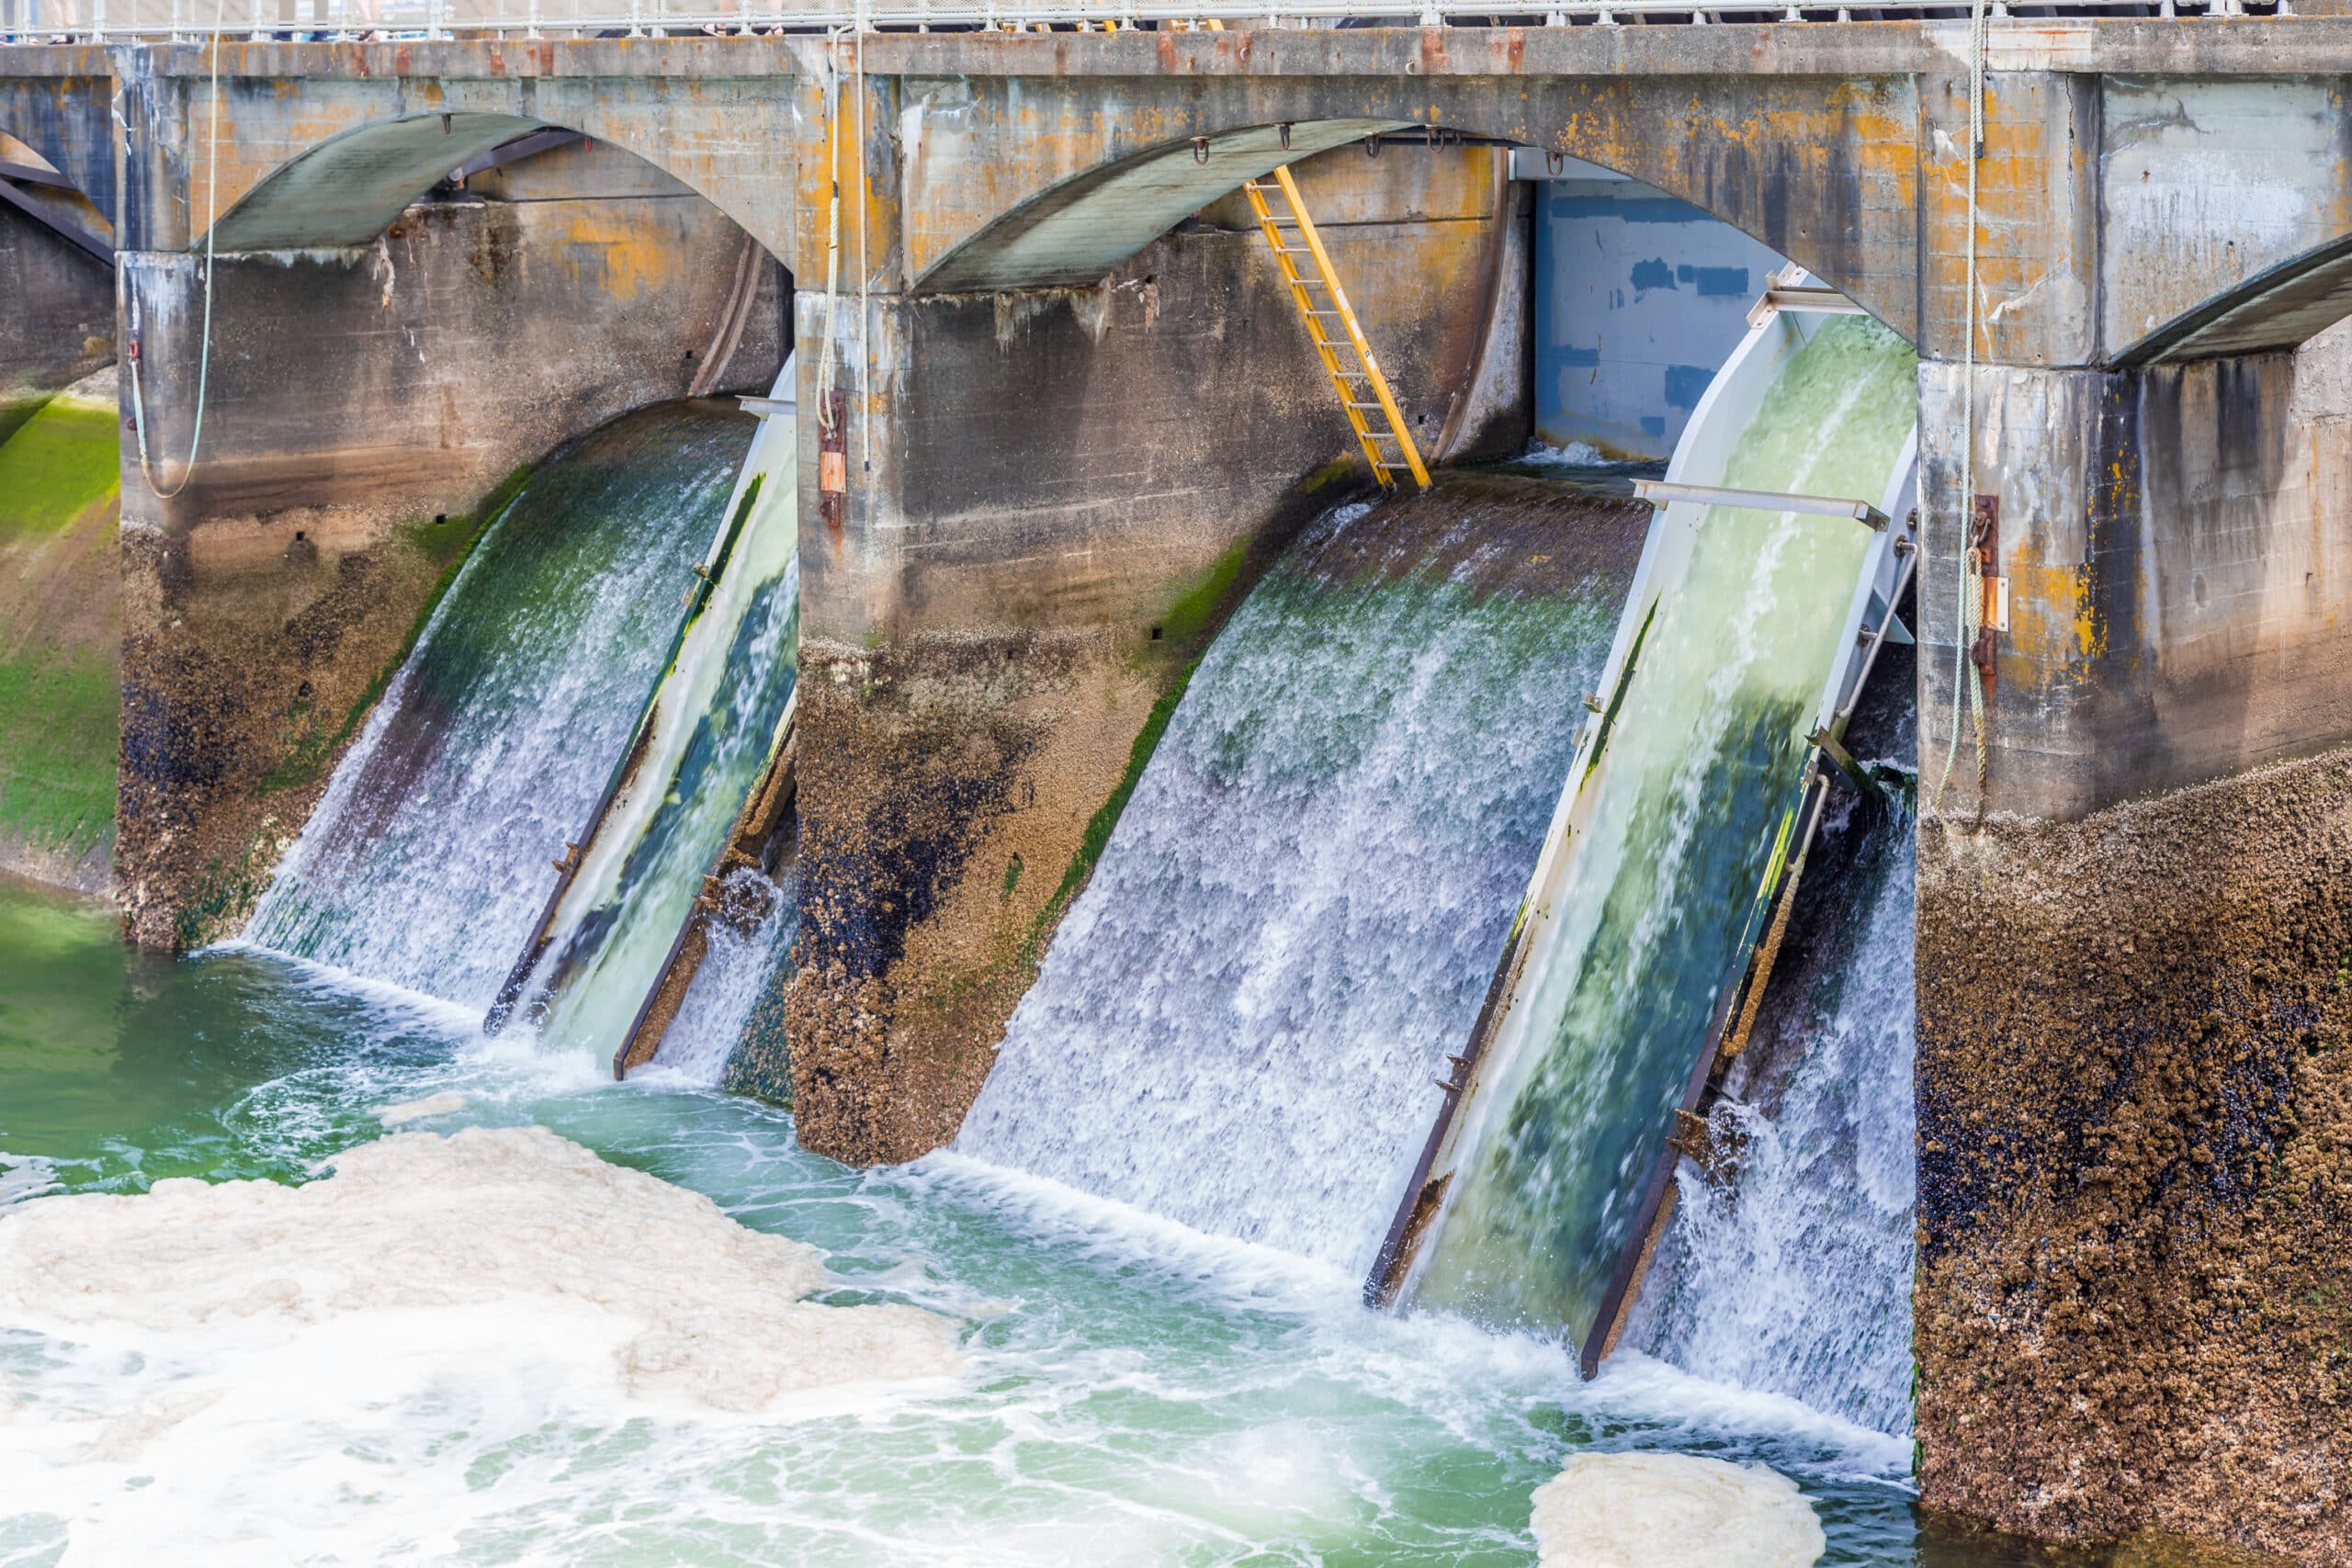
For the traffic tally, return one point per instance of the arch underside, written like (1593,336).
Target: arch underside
(350,188)
(1074,232)
(2278,308)
(1108,168)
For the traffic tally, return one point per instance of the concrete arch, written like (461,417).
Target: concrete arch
(1074,188)
(346,189)
(2278,308)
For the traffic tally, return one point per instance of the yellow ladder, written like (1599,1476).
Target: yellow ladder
(1292,221)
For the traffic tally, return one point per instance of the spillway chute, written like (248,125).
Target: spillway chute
(615,918)
(1767,579)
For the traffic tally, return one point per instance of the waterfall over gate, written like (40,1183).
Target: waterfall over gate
(1789,1268)
(1242,1020)
(434,846)
(1675,827)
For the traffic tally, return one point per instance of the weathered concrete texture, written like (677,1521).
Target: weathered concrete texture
(2180,582)
(356,399)
(61,634)
(1063,501)
(2133,1302)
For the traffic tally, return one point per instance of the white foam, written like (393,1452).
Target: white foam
(502,1217)
(1659,1510)
(442,1104)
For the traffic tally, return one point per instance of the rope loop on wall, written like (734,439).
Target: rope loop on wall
(204,351)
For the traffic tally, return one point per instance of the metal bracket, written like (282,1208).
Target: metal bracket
(1659,492)
(1817,301)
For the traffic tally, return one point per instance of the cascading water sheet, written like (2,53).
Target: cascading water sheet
(1692,785)
(432,848)
(1239,1023)
(1790,1271)
(708,734)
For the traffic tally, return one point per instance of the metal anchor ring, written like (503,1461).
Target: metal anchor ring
(1284,129)
(1554,161)
(1200,149)
(1372,146)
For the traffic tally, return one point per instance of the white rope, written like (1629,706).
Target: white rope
(203,354)
(865,283)
(1965,678)
(832,230)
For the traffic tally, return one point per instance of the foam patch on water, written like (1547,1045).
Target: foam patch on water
(252,1362)
(443,1104)
(485,1216)
(25,1176)
(1656,1510)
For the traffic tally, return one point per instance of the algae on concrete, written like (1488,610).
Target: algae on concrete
(60,632)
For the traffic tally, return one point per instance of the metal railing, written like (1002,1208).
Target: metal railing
(97,21)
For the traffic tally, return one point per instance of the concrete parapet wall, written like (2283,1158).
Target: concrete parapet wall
(1068,487)
(360,406)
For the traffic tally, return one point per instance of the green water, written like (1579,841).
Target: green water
(1133,1393)
(1696,781)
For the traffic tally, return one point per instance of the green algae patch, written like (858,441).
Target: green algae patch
(60,630)
(60,719)
(1197,607)
(58,464)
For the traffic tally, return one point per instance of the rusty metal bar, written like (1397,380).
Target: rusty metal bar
(1660,493)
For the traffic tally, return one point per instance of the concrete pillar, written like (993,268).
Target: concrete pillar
(2135,1011)
(359,407)
(1052,497)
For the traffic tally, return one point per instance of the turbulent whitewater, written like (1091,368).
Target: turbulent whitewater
(1240,1022)
(432,851)
(1790,1270)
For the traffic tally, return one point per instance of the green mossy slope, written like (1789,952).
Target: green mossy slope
(61,627)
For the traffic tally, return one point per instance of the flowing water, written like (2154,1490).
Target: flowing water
(1240,1023)
(710,727)
(1790,1272)
(1701,770)
(428,859)
(1130,1392)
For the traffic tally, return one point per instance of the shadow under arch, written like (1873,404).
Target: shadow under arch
(1076,228)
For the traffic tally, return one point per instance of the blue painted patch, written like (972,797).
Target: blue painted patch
(1715,282)
(1654,275)
(1686,384)
(1569,354)
(1653,425)
(1637,209)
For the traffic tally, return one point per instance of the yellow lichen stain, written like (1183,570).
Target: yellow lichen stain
(2053,617)
(629,258)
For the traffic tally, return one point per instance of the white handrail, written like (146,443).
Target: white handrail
(54,21)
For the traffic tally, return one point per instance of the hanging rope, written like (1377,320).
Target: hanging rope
(865,283)
(1966,677)
(832,227)
(203,354)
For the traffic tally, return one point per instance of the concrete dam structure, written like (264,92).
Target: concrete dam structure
(871,561)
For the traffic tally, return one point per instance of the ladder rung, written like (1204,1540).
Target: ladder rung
(1354,404)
